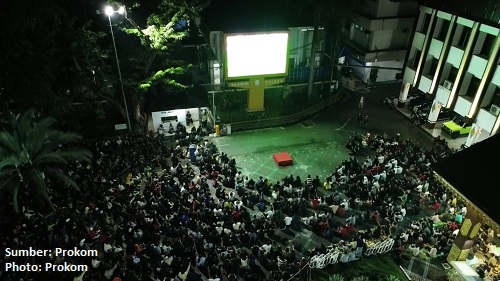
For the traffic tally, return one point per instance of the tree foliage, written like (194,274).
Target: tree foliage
(58,59)
(32,154)
(34,48)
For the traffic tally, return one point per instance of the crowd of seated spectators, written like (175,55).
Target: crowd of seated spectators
(176,221)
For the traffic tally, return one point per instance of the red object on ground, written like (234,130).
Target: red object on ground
(283,159)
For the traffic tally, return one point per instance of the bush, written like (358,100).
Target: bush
(336,277)
(391,278)
(361,278)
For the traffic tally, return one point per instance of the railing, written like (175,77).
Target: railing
(334,256)
(290,119)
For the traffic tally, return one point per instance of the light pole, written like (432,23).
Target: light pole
(109,12)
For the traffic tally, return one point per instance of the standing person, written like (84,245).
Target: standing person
(366,120)
(359,117)
(361,102)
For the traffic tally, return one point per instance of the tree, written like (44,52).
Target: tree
(332,15)
(32,154)
(33,54)
(157,67)
(335,22)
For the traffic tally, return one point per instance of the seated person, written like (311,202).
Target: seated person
(414,249)
(432,252)
(341,211)
(170,129)
(334,208)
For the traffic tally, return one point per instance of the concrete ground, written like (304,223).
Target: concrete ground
(317,145)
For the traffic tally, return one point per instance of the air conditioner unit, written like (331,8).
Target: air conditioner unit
(495,110)
(448,84)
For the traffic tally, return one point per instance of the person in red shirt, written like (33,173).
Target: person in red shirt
(315,203)
(452,226)
(344,232)
(422,177)
(341,211)
(236,214)
(436,206)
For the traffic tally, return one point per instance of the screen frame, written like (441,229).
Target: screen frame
(237,78)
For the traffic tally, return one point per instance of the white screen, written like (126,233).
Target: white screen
(256,54)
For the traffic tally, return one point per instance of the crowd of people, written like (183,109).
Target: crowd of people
(151,214)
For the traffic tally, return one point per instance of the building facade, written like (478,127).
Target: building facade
(379,35)
(455,60)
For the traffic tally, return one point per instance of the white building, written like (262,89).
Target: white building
(379,35)
(456,60)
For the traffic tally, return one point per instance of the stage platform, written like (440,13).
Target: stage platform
(283,159)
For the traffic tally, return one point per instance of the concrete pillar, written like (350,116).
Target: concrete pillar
(403,94)
(433,114)
(468,232)
(473,136)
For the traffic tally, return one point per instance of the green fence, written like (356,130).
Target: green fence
(283,106)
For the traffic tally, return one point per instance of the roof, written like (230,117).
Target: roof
(196,96)
(475,172)
(484,11)
(234,16)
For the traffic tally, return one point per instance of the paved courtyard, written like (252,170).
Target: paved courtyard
(317,145)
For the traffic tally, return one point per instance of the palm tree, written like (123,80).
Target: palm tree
(31,152)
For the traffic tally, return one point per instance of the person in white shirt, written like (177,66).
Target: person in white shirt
(381,159)
(405,236)
(383,175)
(346,204)
(464,211)
(358,201)
(433,252)
(288,220)
(238,204)
(388,166)
(236,226)
(403,211)
(365,180)
(266,248)
(109,273)
(79,277)
(275,194)
(219,229)
(414,249)
(398,170)
(435,219)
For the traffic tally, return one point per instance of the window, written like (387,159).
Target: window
(487,45)
(453,74)
(427,22)
(444,30)
(416,59)
(464,37)
(496,98)
(473,86)
(168,119)
(434,64)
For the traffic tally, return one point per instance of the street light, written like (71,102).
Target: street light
(109,12)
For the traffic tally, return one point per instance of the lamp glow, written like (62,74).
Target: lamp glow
(109,10)
(121,11)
